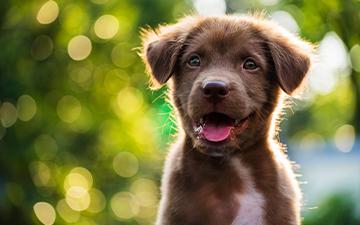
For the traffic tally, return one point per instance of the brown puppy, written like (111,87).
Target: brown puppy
(226,76)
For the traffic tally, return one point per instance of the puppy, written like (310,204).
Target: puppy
(226,76)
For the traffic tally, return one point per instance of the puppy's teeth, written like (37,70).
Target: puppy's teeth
(236,122)
(197,129)
(202,121)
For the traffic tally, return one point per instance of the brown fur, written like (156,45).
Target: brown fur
(198,188)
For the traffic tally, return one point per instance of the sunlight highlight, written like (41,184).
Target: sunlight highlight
(79,47)
(26,107)
(355,57)
(332,63)
(45,213)
(77,198)
(78,177)
(345,138)
(40,174)
(122,55)
(8,114)
(106,26)
(98,201)
(285,20)
(68,108)
(145,191)
(124,205)
(66,213)
(48,12)
(210,7)
(80,75)
(129,100)
(77,185)
(125,164)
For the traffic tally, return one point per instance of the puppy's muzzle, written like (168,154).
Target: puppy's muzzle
(215,90)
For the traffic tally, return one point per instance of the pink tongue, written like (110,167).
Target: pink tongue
(216,132)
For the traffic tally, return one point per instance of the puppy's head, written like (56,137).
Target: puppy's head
(226,74)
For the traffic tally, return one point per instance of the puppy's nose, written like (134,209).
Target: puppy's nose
(215,89)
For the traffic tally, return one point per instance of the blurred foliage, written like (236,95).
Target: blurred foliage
(336,210)
(79,128)
(82,138)
(315,20)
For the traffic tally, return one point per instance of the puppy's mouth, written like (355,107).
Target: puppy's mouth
(219,127)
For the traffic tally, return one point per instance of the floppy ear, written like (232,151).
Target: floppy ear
(291,56)
(161,56)
(161,49)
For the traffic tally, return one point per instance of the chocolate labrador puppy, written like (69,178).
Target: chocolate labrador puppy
(226,78)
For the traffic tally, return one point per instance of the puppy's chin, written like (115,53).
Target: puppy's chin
(214,149)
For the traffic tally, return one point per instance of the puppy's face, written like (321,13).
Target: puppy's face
(226,74)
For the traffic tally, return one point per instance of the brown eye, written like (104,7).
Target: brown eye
(194,61)
(250,64)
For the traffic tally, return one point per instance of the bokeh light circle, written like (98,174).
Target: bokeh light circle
(122,55)
(78,177)
(45,213)
(210,7)
(98,201)
(48,12)
(145,191)
(66,213)
(345,138)
(77,198)
(355,57)
(69,108)
(79,47)
(129,100)
(124,205)
(42,47)
(106,26)
(80,75)
(125,164)
(45,147)
(26,107)
(40,174)
(8,114)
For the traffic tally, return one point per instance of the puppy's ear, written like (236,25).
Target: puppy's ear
(291,56)
(160,57)
(161,49)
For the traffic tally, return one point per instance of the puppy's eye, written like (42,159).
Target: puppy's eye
(250,64)
(194,61)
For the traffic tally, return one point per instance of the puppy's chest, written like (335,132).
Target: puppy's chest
(239,208)
(230,206)
(251,202)
(251,208)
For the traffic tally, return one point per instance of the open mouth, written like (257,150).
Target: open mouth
(218,127)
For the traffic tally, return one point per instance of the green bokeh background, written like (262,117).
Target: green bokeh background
(94,124)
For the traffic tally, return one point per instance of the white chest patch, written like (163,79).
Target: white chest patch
(251,201)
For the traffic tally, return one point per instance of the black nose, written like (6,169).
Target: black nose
(215,89)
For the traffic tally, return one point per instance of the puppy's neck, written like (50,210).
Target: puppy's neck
(260,144)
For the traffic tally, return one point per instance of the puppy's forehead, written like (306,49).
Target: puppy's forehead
(223,36)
